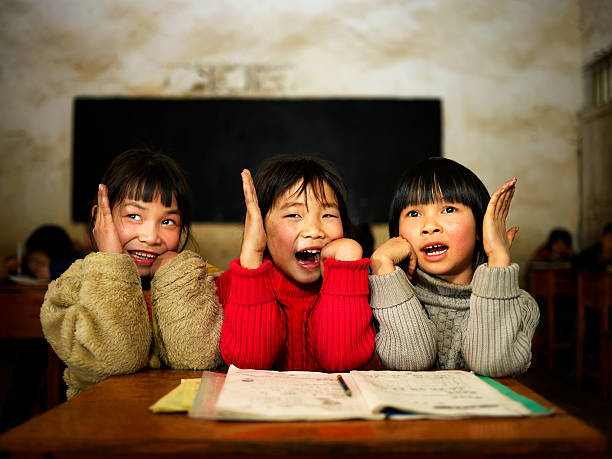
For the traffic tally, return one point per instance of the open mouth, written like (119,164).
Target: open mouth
(308,256)
(433,250)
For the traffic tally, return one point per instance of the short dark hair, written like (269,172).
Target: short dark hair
(559,234)
(51,239)
(279,173)
(143,174)
(441,179)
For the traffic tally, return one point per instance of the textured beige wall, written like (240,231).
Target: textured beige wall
(507,72)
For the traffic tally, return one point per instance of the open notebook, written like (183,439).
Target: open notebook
(265,395)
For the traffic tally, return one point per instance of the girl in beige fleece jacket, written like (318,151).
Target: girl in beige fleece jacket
(139,300)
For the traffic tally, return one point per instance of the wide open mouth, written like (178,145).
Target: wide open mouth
(308,256)
(436,249)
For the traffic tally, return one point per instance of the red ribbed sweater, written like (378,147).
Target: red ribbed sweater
(274,322)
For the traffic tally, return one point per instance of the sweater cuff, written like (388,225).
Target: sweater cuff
(496,283)
(184,262)
(346,278)
(113,266)
(251,286)
(389,290)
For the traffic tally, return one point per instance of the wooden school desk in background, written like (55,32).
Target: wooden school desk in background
(20,319)
(546,282)
(113,418)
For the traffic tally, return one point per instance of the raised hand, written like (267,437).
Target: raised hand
(254,237)
(392,253)
(495,238)
(104,231)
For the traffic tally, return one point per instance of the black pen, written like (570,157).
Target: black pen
(345,388)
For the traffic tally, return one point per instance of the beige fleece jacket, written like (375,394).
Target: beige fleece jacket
(95,318)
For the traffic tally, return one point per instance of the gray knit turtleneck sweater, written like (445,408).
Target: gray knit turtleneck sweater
(486,326)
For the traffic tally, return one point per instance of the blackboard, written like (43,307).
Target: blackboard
(370,140)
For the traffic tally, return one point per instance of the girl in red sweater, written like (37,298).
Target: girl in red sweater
(297,299)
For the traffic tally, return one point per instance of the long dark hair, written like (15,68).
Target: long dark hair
(278,174)
(441,179)
(143,174)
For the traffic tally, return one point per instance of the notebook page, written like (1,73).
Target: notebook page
(288,396)
(448,393)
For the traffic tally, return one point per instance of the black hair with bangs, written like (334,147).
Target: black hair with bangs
(441,179)
(278,174)
(143,174)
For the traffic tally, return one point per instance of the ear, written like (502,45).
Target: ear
(93,211)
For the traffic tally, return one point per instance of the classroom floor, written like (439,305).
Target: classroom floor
(559,386)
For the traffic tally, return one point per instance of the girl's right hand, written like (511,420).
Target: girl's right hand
(104,231)
(392,253)
(254,239)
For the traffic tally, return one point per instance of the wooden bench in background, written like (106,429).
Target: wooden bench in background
(547,281)
(595,292)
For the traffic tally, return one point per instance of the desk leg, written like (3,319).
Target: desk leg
(53,378)
(604,358)
(579,333)
(550,322)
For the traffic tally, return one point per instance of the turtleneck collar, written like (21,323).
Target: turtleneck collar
(435,291)
(285,287)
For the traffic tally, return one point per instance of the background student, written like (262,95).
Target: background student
(140,299)
(597,257)
(456,302)
(558,247)
(48,253)
(297,299)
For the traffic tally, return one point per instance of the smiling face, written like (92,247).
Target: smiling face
(147,230)
(443,236)
(298,226)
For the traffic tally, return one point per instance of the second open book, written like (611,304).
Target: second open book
(306,395)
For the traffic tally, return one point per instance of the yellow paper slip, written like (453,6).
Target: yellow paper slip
(178,399)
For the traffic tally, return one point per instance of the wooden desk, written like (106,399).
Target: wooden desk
(20,319)
(113,418)
(20,311)
(546,283)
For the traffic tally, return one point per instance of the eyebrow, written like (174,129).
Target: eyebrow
(303,204)
(292,204)
(170,211)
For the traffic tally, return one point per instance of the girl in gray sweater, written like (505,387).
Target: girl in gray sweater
(443,289)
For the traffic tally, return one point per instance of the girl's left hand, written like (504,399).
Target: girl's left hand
(343,249)
(495,238)
(161,260)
